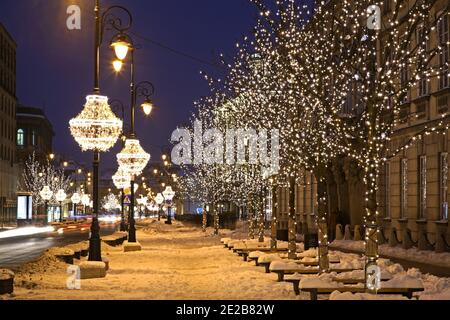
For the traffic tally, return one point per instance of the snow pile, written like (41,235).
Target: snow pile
(6,274)
(310,253)
(268,258)
(336,295)
(282,265)
(309,259)
(348,264)
(402,281)
(255,254)
(325,280)
(435,288)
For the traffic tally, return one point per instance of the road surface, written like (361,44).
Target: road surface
(15,252)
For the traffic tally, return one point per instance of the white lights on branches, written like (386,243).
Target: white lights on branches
(96,127)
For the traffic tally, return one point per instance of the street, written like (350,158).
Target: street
(15,252)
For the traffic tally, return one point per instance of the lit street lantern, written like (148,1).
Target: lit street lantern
(46,194)
(168,196)
(159,199)
(60,197)
(76,199)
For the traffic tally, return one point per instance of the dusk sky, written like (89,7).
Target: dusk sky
(55,65)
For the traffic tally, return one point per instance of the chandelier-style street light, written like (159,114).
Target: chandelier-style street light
(168,196)
(60,197)
(46,194)
(133,158)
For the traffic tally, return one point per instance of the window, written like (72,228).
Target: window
(404,189)
(442,104)
(443,36)
(421,110)
(33,138)
(387,190)
(421,37)
(20,138)
(422,86)
(443,185)
(404,82)
(422,187)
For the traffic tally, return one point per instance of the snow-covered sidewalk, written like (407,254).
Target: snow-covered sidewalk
(176,262)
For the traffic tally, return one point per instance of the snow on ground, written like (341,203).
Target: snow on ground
(413,254)
(177,262)
(180,262)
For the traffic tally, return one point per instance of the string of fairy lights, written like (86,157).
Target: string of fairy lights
(333,87)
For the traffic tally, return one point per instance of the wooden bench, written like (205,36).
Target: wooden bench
(314,270)
(244,253)
(296,281)
(406,292)
(304,263)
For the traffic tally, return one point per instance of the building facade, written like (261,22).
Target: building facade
(34,134)
(8,101)
(413,191)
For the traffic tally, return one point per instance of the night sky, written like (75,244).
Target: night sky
(55,65)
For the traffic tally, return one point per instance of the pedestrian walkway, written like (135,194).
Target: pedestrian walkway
(177,262)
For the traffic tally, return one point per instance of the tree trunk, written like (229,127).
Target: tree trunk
(261,217)
(292,225)
(322,224)
(273,225)
(216,219)
(204,219)
(251,220)
(371,226)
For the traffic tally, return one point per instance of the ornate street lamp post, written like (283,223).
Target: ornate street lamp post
(133,159)
(60,197)
(168,196)
(97,128)
(159,199)
(46,194)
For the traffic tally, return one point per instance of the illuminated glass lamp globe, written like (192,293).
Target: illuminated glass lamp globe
(159,199)
(168,193)
(121,179)
(60,195)
(75,198)
(133,159)
(142,201)
(96,128)
(46,194)
(121,46)
(147,106)
(85,200)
